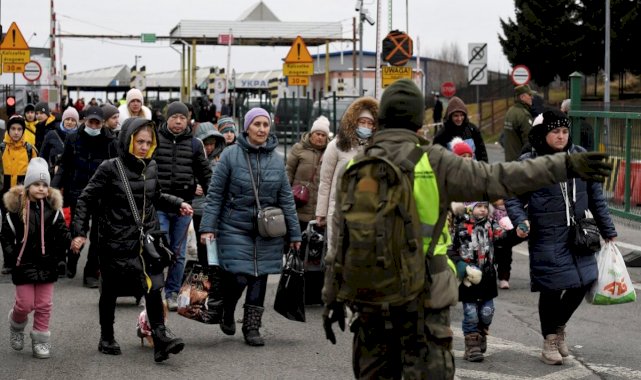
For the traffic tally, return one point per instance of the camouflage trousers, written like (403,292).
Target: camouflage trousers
(395,346)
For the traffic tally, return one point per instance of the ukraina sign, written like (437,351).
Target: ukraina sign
(391,74)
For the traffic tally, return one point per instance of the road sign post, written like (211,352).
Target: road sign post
(520,75)
(14,50)
(391,74)
(448,89)
(32,71)
(477,63)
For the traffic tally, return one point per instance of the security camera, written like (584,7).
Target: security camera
(358,5)
(365,16)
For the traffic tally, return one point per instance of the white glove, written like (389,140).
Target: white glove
(473,276)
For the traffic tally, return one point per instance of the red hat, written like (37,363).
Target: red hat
(460,147)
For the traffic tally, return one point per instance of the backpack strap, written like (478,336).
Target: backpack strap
(10,222)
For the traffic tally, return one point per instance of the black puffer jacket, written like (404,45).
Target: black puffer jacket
(80,160)
(105,197)
(36,266)
(181,160)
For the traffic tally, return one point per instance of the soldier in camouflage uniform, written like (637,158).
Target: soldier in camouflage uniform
(414,340)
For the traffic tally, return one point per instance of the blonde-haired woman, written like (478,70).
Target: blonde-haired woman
(134,107)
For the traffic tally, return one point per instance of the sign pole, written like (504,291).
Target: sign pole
(228,65)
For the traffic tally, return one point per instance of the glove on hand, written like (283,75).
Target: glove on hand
(589,166)
(473,276)
(334,312)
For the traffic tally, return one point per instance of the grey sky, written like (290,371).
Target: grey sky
(436,23)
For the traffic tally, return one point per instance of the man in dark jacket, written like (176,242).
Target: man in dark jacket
(181,160)
(84,150)
(46,122)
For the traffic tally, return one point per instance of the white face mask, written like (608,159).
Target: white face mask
(92,132)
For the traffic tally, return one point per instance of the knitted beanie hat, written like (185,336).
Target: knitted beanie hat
(254,113)
(71,113)
(460,147)
(321,125)
(134,94)
(226,124)
(108,110)
(37,170)
(177,108)
(402,106)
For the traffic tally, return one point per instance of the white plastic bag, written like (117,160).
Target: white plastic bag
(192,249)
(613,285)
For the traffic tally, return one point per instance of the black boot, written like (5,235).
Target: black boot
(228,324)
(165,343)
(215,296)
(251,323)
(108,344)
(72,263)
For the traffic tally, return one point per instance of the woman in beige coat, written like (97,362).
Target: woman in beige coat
(356,129)
(303,167)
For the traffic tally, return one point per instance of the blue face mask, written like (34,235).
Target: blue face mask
(92,132)
(363,132)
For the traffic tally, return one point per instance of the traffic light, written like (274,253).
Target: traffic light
(10,105)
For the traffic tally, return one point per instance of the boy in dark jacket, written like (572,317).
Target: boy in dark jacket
(472,250)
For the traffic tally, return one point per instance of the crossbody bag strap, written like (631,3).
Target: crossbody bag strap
(129,193)
(251,175)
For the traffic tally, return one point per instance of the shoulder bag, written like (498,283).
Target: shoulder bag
(270,220)
(584,236)
(301,191)
(153,244)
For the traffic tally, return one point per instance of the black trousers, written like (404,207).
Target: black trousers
(557,306)
(236,284)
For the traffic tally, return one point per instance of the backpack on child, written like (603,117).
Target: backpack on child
(379,257)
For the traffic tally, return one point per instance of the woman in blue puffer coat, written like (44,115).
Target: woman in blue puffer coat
(560,275)
(230,217)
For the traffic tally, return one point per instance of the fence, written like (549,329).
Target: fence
(618,133)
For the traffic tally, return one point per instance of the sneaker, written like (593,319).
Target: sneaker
(504,284)
(91,282)
(172,301)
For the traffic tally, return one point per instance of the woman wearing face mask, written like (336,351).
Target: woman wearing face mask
(356,129)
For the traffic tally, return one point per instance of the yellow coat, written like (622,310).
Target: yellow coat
(15,160)
(30,132)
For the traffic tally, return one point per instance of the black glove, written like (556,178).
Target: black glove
(589,166)
(334,312)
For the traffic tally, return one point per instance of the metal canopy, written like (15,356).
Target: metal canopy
(258,26)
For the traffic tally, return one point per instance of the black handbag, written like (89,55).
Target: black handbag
(290,295)
(154,245)
(584,236)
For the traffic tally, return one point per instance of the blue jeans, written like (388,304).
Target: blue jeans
(477,316)
(176,226)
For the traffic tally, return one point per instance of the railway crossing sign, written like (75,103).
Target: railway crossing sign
(477,72)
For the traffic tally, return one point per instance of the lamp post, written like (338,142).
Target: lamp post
(364,16)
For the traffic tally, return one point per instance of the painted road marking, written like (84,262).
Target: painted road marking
(571,369)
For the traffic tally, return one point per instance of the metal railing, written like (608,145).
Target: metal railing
(617,133)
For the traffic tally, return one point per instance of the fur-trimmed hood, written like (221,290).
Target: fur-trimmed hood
(346,137)
(12,198)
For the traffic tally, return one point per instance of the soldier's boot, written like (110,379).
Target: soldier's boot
(16,333)
(251,323)
(473,348)
(550,354)
(40,344)
(561,343)
(165,343)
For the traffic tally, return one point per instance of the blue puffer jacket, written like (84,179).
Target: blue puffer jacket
(552,265)
(230,210)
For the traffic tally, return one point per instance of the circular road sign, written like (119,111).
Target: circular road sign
(219,85)
(32,71)
(520,75)
(448,89)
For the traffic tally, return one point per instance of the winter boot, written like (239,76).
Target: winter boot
(40,344)
(251,324)
(484,333)
(473,348)
(560,342)
(550,354)
(108,344)
(165,343)
(16,333)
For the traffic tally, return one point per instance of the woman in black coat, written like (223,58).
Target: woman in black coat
(560,274)
(122,265)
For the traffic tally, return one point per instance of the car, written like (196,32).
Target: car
(292,118)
